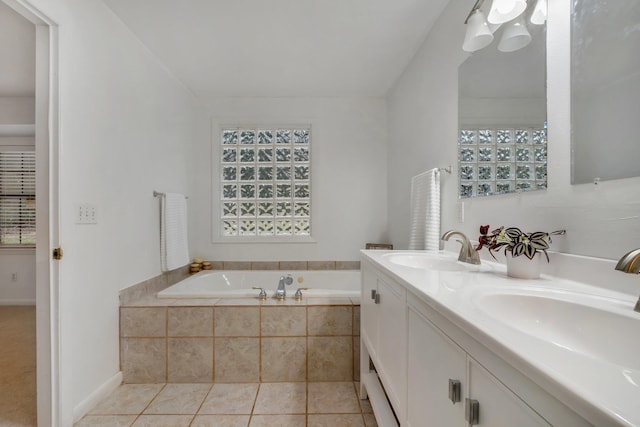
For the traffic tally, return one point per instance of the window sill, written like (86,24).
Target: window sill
(17,250)
(264,239)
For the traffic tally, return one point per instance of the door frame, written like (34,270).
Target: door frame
(47,213)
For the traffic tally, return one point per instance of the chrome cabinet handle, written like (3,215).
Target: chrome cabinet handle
(373,293)
(455,391)
(472,411)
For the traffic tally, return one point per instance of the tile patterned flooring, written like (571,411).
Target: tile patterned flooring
(297,404)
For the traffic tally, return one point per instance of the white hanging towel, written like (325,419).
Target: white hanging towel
(425,211)
(174,246)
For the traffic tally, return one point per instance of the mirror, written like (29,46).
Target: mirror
(605,90)
(502,114)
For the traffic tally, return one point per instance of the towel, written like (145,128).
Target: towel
(174,246)
(425,211)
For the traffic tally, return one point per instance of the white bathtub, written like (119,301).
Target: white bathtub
(234,284)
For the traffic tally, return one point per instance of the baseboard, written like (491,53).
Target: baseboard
(17,301)
(83,408)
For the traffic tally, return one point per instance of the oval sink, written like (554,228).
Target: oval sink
(578,327)
(427,261)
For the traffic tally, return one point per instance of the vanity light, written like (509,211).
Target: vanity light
(539,15)
(515,36)
(505,10)
(478,34)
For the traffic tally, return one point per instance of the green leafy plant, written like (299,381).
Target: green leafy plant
(515,241)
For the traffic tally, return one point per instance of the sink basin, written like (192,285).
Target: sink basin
(427,261)
(584,325)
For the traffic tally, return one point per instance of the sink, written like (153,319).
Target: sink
(428,261)
(596,327)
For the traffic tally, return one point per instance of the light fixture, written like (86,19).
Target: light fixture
(539,14)
(515,36)
(505,10)
(478,34)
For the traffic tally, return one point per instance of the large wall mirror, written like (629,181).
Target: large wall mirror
(502,115)
(605,90)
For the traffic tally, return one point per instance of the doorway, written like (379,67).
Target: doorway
(46,215)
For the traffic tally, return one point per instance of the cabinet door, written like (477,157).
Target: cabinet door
(392,344)
(498,406)
(433,360)
(368,314)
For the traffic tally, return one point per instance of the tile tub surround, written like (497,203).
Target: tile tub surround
(148,288)
(239,341)
(288,404)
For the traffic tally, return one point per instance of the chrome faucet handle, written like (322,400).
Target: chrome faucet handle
(468,254)
(288,280)
(298,294)
(263,294)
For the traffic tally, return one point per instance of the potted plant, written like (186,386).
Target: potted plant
(522,248)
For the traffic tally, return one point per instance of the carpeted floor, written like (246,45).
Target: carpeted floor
(17,366)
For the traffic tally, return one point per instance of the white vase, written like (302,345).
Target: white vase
(522,267)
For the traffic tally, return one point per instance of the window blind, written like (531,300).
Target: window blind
(17,198)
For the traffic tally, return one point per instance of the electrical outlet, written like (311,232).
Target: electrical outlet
(87,214)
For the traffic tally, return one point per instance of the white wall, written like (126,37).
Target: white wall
(127,128)
(601,220)
(348,176)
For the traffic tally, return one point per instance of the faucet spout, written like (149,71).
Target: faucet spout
(281,292)
(630,263)
(468,254)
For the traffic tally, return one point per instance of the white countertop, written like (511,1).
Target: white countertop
(604,392)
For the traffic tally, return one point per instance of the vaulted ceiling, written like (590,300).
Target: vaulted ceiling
(17,54)
(282,48)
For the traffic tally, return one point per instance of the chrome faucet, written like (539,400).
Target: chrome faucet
(630,263)
(468,253)
(281,293)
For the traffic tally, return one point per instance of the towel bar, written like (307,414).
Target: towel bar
(158,194)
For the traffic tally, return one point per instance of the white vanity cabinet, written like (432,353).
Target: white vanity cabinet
(449,388)
(384,333)
(435,373)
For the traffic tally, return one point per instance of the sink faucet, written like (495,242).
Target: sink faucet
(468,253)
(630,263)
(281,293)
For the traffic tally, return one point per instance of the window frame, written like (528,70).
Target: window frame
(216,189)
(19,144)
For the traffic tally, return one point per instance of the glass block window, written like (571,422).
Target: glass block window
(265,181)
(498,160)
(17,198)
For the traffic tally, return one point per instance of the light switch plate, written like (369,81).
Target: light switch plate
(87,214)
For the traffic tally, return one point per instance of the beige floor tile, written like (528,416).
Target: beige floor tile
(221,421)
(163,421)
(333,398)
(106,421)
(284,359)
(365,406)
(128,399)
(178,399)
(281,398)
(278,421)
(230,399)
(334,420)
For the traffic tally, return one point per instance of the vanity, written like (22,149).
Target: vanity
(444,343)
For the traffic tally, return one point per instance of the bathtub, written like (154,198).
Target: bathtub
(235,284)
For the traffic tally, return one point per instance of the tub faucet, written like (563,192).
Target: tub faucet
(630,263)
(281,293)
(468,253)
